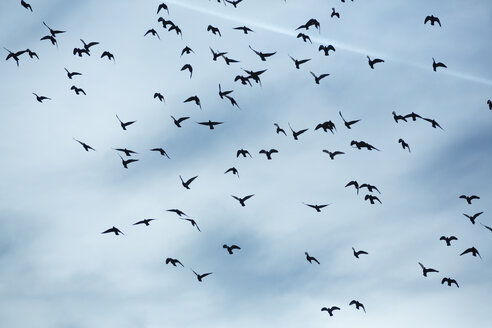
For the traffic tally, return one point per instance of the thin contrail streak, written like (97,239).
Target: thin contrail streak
(322,40)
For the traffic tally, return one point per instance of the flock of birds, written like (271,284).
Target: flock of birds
(249,78)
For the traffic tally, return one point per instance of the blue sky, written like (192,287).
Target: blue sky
(58,270)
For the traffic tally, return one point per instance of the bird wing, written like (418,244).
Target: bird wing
(247,197)
(428,18)
(302,61)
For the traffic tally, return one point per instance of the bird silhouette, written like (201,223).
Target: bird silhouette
(230,248)
(355,184)
(126,162)
(255,75)
(233,101)
(318,78)
(210,124)
(161,151)
(358,305)
(296,134)
(193,223)
(374,61)
(14,55)
(41,98)
(153,32)
(333,154)
(449,281)
(398,117)
(144,221)
(473,251)
(222,94)
(473,217)
(268,153)
(372,198)
(309,23)
(348,124)
(362,144)
(432,19)
(195,99)
(87,46)
(26,5)
(469,198)
(245,29)
(163,6)
(109,55)
(165,22)
(173,261)
(326,49)
(425,270)
(159,96)
(51,38)
(114,230)
(448,239)
(201,276)
(53,32)
(434,123)
(80,52)
(214,30)
(435,65)
(311,258)
(177,211)
(244,80)
(242,200)
(279,129)
(299,62)
(188,182)
(489,102)
(316,207)
(228,60)
(177,29)
(127,152)
(369,187)
(233,170)
(77,90)
(217,54)
(263,56)
(334,13)
(186,50)
(86,146)
(327,125)
(124,124)
(72,74)
(358,253)
(243,152)
(32,53)
(178,121)
(304,37)
(189,68)
(234,2)
(404,144)
(330,310)
(413,116)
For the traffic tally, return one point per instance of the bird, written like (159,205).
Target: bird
(14,55)
(316,207)
(144,221)
(163,6)
(374,61)
(311,258)
(434,123)
(425,270)
(222,94)
(369,187)
(334,13)
(234,2)
(330,310)
(469,198)
(372,198)
(233,170)
(333,154)
(26,5)
(449,281)
(304,37)
(71,74)
(177,211)
(201,276)
(242,200)
(355,184)
(189,68)
(217,54)
(77,90)
(349,123)
(32,53)
(398,117)
(193,223)
(268,153)
(296,134)
(362,144)
(308,24)
(489,102)
(178,121)
(214,30)
(229,60)
(127,152)
(432,19)
(80,52)
(188,182)
(87,46)
(263,56)
(165,22)
(230,248)
(245,29)
(326,49)
(153,32)
(124,124)
(177,29)
(435,64)
(53,32)
(233,101)
(299,62)
(51,38)
(255,75)
(86,146)
(186,50)
(173,261)
(126,162)
(244,80)
(41,98)
(358,305)
(473,217)
(109,55)
(243,152)
(114,230)
(404,144)
(413,116)
(279,129)
(473,251)
(318,78)
(448,239)
(161,151)
(210,124)
(358,253)
(195,99)
(159,96)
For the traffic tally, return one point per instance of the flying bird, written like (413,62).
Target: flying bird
(234,2)
(432,19)
(358,253)
(228,60)
(210,124)
(279,129)
(243,152)
(263,56)
(233,101)
(153,32)
(178,121)
(425,270)
(127,152)
(435,64)
(362,144)
(449,281)
(330,310)
(434,123)
(233,170)
(348,124)
(195,99)
(201,276)
(299,62)
(317,207)
(230,248)
(80,52)
(41,98)
(14,55)
(326,49)
(413,116)
(242,200)
(369,187)
(114,230)
(124,124)
(244,80)
(333,154)
(161,151)
(222,94)
(173,261)
(32,53)
(187,183)
(473,251)
(304,37)
(77,90)
(53,32)
(469,198)
(144,221)
(165,22)
(372,198)
(193,223)
(189,68)
(128,161)
(398,117)
(355,184)
(72,74)
(296,134)
(217,54)
(374,61)
(159,96)
(87,46)
(51,38)
(358,305)
(214,30)
(489,102)
(327,125)
(26,5)
(334,13)
(404,144)
(268,153)
(86,146)
(186,50)
(177,211)
(310,258)
(163,6)
(318,78)
(448,239)
(245,29)
(109,55)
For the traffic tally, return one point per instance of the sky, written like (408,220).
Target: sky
(59,270)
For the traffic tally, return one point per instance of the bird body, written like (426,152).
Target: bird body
(173,261)
(326,49)
(448,239)
(358,305)
(358,253)
(230,248)
(469,198)
(435,64)
(330,310)
(114,230)
(317,207)
(473,252)
(243,199)
(210,124)
(310,259)
(425,270)
(449,281)
(432,19)
(124,124)
(374,61)
(187,183)
(404,144)
(161,151)
(268,153)
(333,154)
(146,222)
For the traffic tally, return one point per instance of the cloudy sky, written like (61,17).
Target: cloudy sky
(58,270)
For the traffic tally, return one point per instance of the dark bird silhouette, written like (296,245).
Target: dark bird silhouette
(326,49)
(279,129)
(489,102)
(87,46)
(310,258)
(255,75)
(124,124)
(317,207)
(374,61)
(230,248)
(434,123)
(217,54)
(14,55)
(398,117)
(469,198)
(228,60)
(163,6)
(245,29)
(214,30)
(233,101)
(195,99)
(86,146)
(355,184)
(161,151)
(309,23)
(114,230)
(296,134)
(234,2)
(41,98)
(333,154)
(244,80)
(432,19)
(51,38)
(304,37)
(72,74)
(186,50)
(318,78)
(128,161)
(404,144)
(53,32)
(362,144)
(242,200)
(448,239)
(327,125)
(159,96)
(189,68)
(201,276)
(243,152)
(210,124)
(348,124)
(80,52)
(358,253)
(268,153)
(425,270)
(330,310)
(77,90)
(187,183)
(165,22)
(173,261)
(334,13)
(127,152)
(144,221)
(177,211)
(153,32)
(263,55)
(193,223)
(233,170)
(178,121)
(486,227)
(413,116)
(177,29)
(449,281)
(26,5)
(109,55)
(222,94)
(435,64)
(369,187)
(32,54)
(358,305)
(473,251)
(372,198)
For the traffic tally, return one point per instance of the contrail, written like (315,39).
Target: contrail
(322,40)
